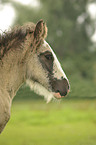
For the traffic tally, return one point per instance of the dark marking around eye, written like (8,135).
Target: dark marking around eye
(48,55)
(47,59)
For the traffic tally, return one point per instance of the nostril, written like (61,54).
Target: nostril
(57,91)
(61,93)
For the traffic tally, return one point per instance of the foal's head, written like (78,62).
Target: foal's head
(44,73)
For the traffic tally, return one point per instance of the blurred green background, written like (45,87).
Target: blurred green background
(71,31)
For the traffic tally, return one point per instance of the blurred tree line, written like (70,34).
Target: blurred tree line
(67,20)
(69,30)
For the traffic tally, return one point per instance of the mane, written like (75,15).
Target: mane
(13,38)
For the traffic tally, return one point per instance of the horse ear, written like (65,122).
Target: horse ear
(45,30)
(40,30)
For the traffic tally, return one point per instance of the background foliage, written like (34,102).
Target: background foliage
(69,30)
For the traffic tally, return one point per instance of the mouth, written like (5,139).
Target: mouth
(58,96)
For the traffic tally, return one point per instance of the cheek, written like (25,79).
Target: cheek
(37,73)
(41,76)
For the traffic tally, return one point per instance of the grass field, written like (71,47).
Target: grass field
(70,122)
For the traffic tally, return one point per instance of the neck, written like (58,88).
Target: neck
(11,78)
(12,75)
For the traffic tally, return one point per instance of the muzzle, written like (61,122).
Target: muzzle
(60,87)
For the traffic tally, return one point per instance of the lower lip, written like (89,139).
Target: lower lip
(58,96)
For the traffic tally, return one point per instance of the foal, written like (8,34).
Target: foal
(26,57)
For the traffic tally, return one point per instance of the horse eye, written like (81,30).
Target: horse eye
(48,57)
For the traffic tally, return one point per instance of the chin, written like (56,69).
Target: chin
(41,90)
